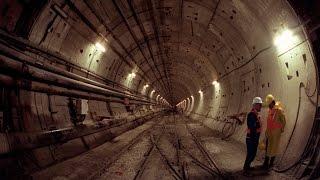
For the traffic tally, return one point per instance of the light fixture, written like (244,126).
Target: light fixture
(285,40)
(215,83)
(100,47)
(132,74)
(147,85)
(200,92)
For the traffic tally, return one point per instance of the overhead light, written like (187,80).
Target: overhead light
(132,74)
(215,83)
(285,40)
(100,47)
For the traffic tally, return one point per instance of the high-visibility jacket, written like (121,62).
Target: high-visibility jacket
(275,120)
(275,126)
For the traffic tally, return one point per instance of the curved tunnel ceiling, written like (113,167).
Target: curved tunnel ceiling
(217,36)
(164,42)
(177,30)
(207,57)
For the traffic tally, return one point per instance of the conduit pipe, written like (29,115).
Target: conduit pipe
(21,141)
(28,61)
(25,84)
(31,72)
(9,41)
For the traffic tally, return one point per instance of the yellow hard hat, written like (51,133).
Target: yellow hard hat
(279,105)
(269,99)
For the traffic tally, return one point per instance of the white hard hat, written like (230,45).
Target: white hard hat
(257,100)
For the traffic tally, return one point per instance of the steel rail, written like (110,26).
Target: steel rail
(112,160)
(147,156)
(205,152)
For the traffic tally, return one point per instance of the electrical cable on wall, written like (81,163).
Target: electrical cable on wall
(306,151)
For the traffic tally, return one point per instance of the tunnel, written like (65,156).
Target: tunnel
(156,89)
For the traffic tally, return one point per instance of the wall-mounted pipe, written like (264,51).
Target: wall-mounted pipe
(8,41)
(14,142)
(23,59)
(8,81)
(59,11)
(33,73)
(144,76)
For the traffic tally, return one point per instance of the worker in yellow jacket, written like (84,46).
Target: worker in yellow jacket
(275,127)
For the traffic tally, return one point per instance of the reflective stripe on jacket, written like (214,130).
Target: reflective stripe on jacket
(272,122)
(257,123)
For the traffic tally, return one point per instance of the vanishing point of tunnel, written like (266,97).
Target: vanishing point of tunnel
(159,89)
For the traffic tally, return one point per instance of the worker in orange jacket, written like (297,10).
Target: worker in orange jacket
(276,122)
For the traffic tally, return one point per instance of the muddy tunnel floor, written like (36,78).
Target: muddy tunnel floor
(169,147)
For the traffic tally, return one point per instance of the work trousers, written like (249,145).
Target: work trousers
(252,146)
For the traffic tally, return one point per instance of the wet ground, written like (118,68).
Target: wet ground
(170,147)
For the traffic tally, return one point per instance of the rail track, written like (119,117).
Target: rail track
(182,154)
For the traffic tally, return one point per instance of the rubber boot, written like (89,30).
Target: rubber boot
(271,162)
(266,163)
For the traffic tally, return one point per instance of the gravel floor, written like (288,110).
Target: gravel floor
(164,149)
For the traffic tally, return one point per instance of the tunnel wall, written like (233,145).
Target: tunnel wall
(36,113)
(243,59)
(290,75)
(29,115)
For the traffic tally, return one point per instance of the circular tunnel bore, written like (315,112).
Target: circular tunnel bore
(80,75)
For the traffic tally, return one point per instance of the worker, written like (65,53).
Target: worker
(275,127)
(253,134)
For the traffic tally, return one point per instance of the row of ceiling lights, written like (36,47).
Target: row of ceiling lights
(284,41)
(214,83)
(101,48)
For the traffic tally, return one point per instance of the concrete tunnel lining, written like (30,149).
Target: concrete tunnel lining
(177,48)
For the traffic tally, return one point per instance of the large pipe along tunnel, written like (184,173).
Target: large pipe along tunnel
(159,89)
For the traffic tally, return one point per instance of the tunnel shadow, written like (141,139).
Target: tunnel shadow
(254,174)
